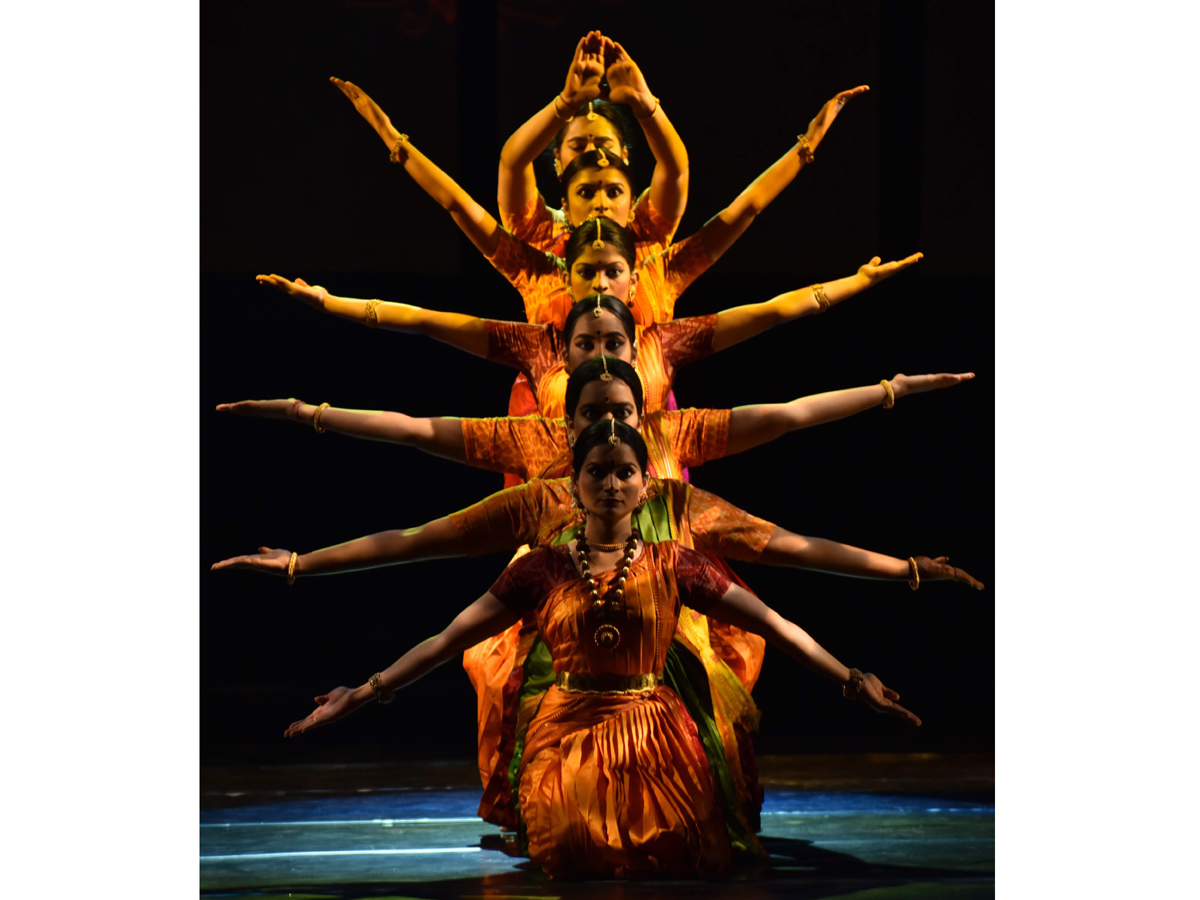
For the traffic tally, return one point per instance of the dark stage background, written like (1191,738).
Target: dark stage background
(294,182)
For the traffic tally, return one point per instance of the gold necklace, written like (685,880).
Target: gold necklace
(607,635)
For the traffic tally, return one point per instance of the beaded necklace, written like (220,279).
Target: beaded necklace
(607,635)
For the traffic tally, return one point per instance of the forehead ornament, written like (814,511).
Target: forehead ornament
(591,116)
(613,440)
(599,310)
(598,243)
(603,160)
(607,376)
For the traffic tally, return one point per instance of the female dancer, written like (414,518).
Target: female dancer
(613,780)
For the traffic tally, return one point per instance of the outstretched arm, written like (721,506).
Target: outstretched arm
(669,184)
(742,322)
(439,436)
(741,608)
(751,426)
(786,548)
(467,333)
(482,619)
(517,182)
(475,221)
(719,233)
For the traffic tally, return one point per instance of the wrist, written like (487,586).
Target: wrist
(899,386)
(643,105)
(362,694)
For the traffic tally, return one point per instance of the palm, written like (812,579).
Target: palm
(625,79)
(313,295)
(939,569)
(876,271)
(337,704)
(261,409)
(883,699)
(267,560)
(587,68)
(919,384)
(824,118)
(369,110)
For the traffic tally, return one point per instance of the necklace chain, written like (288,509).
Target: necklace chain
(614,596)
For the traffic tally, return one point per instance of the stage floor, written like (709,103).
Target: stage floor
(854,826)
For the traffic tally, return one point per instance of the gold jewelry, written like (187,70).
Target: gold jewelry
(632,292)
(598,243)
(632,217)
(557,115)
(394,156)
(613,440)
(642,498)
(607,548)
(317,418)
(372,314)
(607,636)
(606,684)
(591,116)
(567,223)
(653,113)
(599,310)
(819,295)
(806,150)
(292,567)
(890,400)
(602,162)
(382,693)
(853,684)
(915,581)
(575,501)
(570,438)
(607,376)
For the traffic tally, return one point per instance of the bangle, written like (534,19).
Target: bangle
(317,418)
(890,400)
(372,315)
(853,685)
(806,150)
(292,567)
(819,295)
(382,694)
(394,156)
(915,581)
(653,113)
(557,115)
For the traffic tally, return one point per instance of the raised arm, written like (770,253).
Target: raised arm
(669,184)
(441,436)
(485,617)
(741,608)
(742,322)
(467,333)
(475,221)
(751,426)
(517,181)
(719,233)
(786,548)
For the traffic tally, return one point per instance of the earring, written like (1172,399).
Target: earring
(575,501)
(642,498)
(567,223)
(632,291)
(632,216)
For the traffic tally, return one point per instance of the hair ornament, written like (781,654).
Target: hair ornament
(613,440)
(607,376)
(598,243)
(591,116)
(603,160)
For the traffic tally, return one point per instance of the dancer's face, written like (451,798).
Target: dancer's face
(583,136)
(603,271)
(603,336)
(599,192)
(610,482)
(600,400)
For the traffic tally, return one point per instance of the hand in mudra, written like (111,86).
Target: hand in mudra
(369,110)
(939,569)
(263,409)
(314,295)
(875,694)
(337,704)
(824,118)
(587,68)
(876,271)
(266,560)
(626,84)
(919,384)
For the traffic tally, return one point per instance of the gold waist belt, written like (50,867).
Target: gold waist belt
(606,684)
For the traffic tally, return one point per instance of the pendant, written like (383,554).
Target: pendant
(607,636)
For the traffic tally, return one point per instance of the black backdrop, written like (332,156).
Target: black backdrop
(294,182)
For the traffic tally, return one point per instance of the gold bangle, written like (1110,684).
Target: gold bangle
(394,156)
(382,694)
(653,113)
(915,581)
(819,295)
(853,686)
(372,313)
(806,150)
(890,400)
(292,567)
(317,418)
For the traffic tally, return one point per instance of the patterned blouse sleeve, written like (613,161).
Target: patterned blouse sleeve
(649,225)
(530,348)
(685,341)
(697,435)
(523,445)
(536,224)
(503,521)
(531,271)
(700,583)
(720,528)
(526,581)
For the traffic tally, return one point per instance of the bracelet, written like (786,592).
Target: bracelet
(372,314)
(557,115)
(292,567)
(653,113)
(806,150)
(819,295)
(890,400)
(382,694)
(915,581)
(853,685)
(394,156)
(317,418)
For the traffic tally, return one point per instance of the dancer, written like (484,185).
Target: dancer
(612,780)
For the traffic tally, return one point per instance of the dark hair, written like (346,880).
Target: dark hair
(587,306)
(594,370)
(616,115)
(599,434)
(591,160)
(610,232)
